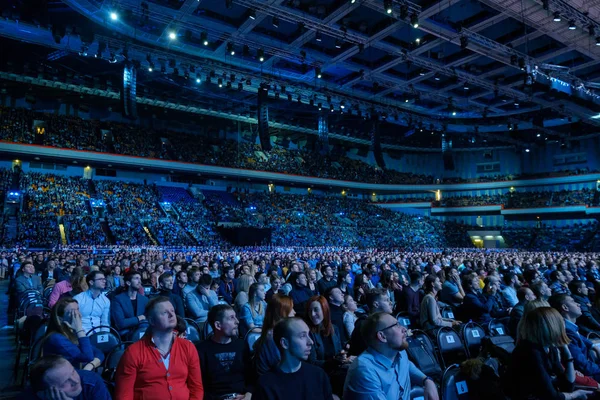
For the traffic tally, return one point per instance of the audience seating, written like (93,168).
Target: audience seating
(104,338)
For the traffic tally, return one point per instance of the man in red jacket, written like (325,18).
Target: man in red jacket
(160,365)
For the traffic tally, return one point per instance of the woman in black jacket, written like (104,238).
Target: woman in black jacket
(542,365)
(326,350)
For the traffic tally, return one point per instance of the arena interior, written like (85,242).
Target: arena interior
(300,199)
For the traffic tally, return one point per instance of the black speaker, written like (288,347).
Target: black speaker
(448,161)
(128,94)
(263,120)
(376,143)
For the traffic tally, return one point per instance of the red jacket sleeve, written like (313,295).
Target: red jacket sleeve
(194,380)
(126,375)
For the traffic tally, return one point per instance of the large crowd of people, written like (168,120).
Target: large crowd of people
(523,199)
(307,322)
(17,125)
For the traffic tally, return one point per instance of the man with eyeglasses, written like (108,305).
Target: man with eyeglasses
(94,306)
(383,371)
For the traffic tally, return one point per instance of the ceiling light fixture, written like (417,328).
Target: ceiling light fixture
(230,49)
(598,41)
(414,20)
(318,72)
(252,14)
(387,5)
(275,22)
(261,55)
(204,38)
(114,16)
(318,36)
(172,35)
(556,17)
(572,25)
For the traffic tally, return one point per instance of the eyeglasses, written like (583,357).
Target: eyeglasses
(391,326)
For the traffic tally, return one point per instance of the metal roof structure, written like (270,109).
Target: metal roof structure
(499,71)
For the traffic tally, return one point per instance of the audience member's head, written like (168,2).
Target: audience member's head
(334,296)
(525,294)
(318,316)
(382,332)
(378,301)
(566,306)
(544,327)
(161,314)
(292,338)
(54,371)
(223,321)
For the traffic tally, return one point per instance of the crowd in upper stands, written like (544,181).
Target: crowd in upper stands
(17,125)
(522,199)
(308,323)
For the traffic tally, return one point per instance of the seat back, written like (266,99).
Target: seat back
(251,337)
(450,347)
(105,338)
(192,331)
(207,331)
(404,320)
(454,387)
(139,331)
(148,289)
(417,393)
(496,328)
(447,312)
(422,353)
(111,362)
(472,335)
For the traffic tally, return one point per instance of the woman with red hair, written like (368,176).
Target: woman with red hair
(326,350)
(266,352)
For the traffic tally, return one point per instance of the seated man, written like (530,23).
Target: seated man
(293,379)
(28,280)
(165,286)
(377,301)
(524,295)
(581,348)
(335,299)
(94,306)
(127,309)
(201,300)
(383,371)
(476,306)
(558,283)
(160,365)
(586,320)
(53,377)
(224,360)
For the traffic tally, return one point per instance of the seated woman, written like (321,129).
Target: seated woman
(65,337)
(431,316)
(266,353)
(253,312)
(326,350)
(77,277)
(537,371)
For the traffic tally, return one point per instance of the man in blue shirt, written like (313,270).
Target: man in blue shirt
(53,377)
(580,347)
(383,371)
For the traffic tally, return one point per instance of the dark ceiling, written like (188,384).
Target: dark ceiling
(479,68)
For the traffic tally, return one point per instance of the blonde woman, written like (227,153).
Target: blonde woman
(537,371)
(253,312)
(242,286)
